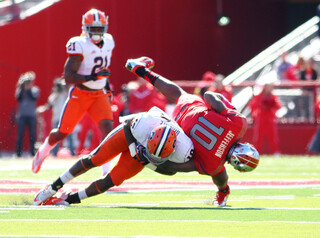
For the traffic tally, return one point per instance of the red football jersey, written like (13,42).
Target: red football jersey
(212,133)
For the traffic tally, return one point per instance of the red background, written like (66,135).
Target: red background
(181,35)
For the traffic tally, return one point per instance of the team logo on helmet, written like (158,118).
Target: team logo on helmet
(161,143)
(244,157)
(94,24)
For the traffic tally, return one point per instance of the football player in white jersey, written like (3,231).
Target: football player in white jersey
(148,139)
(86,69)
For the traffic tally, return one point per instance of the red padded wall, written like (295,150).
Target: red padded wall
(181,35)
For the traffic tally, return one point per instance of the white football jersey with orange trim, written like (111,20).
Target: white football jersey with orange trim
(144,123)
(94,58)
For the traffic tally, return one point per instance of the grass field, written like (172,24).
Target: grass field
(281,198)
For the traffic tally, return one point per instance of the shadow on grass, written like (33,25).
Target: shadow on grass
(185,208)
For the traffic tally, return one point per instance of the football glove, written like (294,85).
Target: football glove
(141,156)
(101,74)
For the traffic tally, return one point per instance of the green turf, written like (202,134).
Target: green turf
(251,212)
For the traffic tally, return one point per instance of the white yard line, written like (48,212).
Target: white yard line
(152,206)
(66,236)
(137,220)
(55,236)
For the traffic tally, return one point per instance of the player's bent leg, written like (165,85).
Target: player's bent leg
(97,187)
(126,168)
(56,136)
(113,145)
(105,127)
(45,196)
(82,165)
(50,142)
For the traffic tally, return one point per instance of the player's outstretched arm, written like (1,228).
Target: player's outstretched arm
(178,167)
(141,67)
(169,89)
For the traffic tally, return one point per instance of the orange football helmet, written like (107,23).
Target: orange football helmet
(94,24)
(161,143)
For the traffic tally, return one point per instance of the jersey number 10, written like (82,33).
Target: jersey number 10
(211,138)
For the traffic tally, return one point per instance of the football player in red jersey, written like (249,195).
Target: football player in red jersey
(214,126)
(89,57)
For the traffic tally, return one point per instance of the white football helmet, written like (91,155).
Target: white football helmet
(94,25)
(161,143)
(243,157)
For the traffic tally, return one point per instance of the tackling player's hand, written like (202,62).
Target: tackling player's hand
(101,74)
(141,155)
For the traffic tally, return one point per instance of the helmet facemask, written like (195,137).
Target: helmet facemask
(95,33)
(155,159)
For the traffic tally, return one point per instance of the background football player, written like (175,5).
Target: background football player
(214,126)
(89,57)
(148,139)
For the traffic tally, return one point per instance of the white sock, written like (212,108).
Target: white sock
(82,194)
(66,177)
(45,148)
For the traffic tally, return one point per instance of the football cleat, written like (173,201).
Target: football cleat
(37,162)
(243,157)
(133,64)
(59,199)
(43,195)
(55,201)
(221,198)
(161,144)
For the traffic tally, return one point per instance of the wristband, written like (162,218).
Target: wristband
(132,149)
(151,166)
(147,74)
(151,77)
